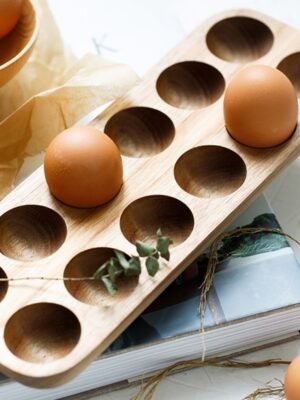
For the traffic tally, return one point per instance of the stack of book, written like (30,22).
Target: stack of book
(254,302)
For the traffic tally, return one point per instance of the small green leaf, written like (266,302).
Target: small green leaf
(152,265)
(101,271)
(159,232)
(114,269)
(166,255)
(109,285)
(134,267)
(162,245)
(155,254)
(122,259)
(111,270)
(143,249)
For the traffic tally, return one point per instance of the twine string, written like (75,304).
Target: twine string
(213,262)
(148,389)
(45,278)
(209,276)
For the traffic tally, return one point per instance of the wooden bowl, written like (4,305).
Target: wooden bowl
(16,47)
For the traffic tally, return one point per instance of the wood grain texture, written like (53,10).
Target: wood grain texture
(16,47)
(184,174)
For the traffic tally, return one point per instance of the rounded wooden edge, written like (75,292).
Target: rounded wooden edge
(30,43)
(85,264)
(290,66)
(42,332)
(143,217)
(239,38)
(31,232)
(140,131)
(210,171)
(190,84)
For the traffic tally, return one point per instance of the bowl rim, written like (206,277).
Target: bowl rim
(30,42)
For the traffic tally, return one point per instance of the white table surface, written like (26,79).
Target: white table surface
(139,33)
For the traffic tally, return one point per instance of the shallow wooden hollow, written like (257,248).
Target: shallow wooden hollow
(290,66)
(31,232)
(239,39)
(141,219)
(42,332)
(210,171)
(190,85)
(16,47)
(85,264)
(140,131)
(3,285)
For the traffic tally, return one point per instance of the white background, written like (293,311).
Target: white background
(139,33)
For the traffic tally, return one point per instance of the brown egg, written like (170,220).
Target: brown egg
(10,12)
(260,107)
(83,167)
(292,380)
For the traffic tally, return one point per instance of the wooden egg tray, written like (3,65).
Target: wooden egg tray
(182,173)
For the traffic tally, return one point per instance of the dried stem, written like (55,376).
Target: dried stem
(45,278)
(213,261)
(119,265)
(267,391)
(148,389)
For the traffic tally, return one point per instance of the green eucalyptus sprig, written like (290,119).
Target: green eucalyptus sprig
(121,266)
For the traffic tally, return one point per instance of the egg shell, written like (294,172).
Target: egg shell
(83,167)
(260,107)
(292,380)
(10,12)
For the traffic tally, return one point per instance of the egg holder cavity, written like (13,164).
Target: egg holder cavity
(182,173)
